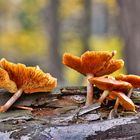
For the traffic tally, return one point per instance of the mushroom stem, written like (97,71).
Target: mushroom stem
(89,98)
(103,96)
(130,92)
(116,104)
(11,101)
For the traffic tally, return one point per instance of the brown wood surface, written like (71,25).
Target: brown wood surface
(60,124)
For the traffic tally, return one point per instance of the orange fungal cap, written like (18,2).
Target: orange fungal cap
(29,79)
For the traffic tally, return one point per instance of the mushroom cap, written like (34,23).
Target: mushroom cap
(133,79)
(110,84)
(29,79)
(6,83)
(110,67)
(125,101)
(92,62)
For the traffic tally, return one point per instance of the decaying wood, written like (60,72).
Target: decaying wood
(89,109)
(29,128)
(58,116)
(42,98)
(73,90)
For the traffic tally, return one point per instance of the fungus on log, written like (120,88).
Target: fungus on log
(114,87)
(92,64)
(28,80)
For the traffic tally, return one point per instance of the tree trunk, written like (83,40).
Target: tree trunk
(130,31)
(87,25)
(55,66)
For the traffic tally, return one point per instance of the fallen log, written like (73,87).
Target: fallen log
(60,123)
(123,128)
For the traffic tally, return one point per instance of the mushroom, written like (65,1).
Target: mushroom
(6,83)
(93,63)
(124,100)
(116,87)
(133,79)
(28,80)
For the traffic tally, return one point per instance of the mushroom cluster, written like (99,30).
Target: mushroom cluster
(96,66)
(18,79)
(115,89)
(93,64)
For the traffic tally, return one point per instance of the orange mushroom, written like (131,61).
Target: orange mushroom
(6,83)
(27,79)
(110,84)
(124,100)
(93,63)
(113,86)
(133,79)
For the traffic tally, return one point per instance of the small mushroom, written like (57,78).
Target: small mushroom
(124,100)
(93,63)
(134,80)
(109,85)
(28,80)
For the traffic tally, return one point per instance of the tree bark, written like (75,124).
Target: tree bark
(55,66)
(130,31)
(62,123)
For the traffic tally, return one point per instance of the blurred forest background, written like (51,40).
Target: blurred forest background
(38,32)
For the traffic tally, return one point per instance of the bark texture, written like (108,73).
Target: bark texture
(130,31)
